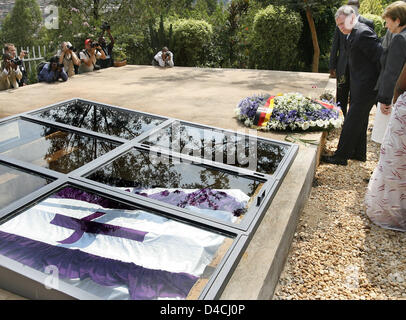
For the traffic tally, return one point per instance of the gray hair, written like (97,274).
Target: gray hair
(345,10)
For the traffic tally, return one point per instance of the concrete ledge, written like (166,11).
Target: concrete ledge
(260,267)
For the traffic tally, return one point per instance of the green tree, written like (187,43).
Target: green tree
(22,25)
(312,9)
(190,41)
(372,6)
(275,39)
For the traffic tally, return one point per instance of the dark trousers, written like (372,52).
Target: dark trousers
(343,91)
(353,138)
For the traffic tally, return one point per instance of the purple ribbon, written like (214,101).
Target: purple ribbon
(85,225)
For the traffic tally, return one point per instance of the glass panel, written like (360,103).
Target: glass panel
(113,250)
(15,184)
(107,120)
(203,190)
(220,146)
(49,147)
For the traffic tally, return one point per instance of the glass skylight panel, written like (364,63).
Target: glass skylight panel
(15,184)
(234,149)
(102,119)
(49,147)
(113,250)
(204,190)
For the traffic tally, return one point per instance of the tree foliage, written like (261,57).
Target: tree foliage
(276,35)
(191,38)
(22,25)
(379,23)
(224,36)
(372,7)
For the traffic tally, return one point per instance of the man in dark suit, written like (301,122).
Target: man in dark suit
(338,60)
(364,51)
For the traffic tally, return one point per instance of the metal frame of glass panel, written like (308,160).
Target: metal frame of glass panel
(242,232)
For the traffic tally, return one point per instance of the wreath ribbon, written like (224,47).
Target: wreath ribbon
(264,113)
(324,104)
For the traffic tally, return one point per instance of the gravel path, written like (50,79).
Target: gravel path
(337,252)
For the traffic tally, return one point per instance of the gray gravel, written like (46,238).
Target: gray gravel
(337,252)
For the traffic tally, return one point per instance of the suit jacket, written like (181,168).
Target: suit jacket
(364,53)
(338,54)
(392,61)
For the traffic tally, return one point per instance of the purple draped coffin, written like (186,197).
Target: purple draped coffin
(75,264)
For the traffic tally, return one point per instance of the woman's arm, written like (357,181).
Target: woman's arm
(400,86)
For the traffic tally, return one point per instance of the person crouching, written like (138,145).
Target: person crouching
(53,71)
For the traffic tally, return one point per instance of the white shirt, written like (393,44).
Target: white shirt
(158,58)
(85,68)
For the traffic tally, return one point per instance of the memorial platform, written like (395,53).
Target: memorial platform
(206,96)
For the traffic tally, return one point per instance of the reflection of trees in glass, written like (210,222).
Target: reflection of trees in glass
(135,169)
(138,170)
(50,147)
(227,148)
(69,151)
(114,122)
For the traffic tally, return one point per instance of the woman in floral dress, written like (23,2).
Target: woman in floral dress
(386,195)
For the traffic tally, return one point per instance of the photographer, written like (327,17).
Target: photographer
(12,51)
(53,71)
(107,48)
(164,58)
(90,55)
(10,73)
(68,58)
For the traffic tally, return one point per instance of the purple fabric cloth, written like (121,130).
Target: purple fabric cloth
(77,194)
(202,199)
(85,225)
(143,283)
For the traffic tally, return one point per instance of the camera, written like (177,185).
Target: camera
(105,26)
(70,47)
(17,61)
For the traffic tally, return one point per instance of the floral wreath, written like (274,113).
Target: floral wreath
(290,111)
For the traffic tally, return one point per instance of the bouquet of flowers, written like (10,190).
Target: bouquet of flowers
(290,111)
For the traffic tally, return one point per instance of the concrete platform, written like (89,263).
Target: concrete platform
(206,96)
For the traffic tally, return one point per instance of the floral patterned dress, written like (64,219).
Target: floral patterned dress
(386,195)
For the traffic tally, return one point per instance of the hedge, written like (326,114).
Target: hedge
(379,23)
(371,7)
(277,31)
(191,40)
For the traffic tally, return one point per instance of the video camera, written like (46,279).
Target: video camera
(105,26)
